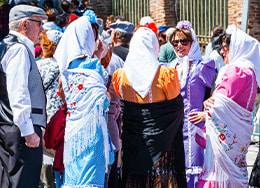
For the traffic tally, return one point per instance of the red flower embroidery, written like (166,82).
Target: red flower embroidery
(80,87)
(222,136)
(243,164)
(74,103)
(68,114)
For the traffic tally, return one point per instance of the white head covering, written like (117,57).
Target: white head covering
(244,51)
(146,20)
(142,60)
(194,55)
(54,36)
(77,41)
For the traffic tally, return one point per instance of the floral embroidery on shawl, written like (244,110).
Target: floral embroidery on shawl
(226,138)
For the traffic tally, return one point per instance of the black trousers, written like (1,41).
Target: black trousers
(20,166)
(113,176)
(32,162)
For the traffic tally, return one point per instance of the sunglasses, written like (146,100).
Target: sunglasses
(183,42)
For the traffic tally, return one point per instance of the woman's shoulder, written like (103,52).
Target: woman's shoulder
(117,76)
(167,73)
(164,70)
(240,72)
(117,80)
(208,62)
(118,72)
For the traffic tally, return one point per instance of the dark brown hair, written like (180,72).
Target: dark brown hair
(123,37)
(224,38)
(217,30)
(51,16)
(186,32)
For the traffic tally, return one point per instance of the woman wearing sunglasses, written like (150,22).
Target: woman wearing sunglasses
(195,77)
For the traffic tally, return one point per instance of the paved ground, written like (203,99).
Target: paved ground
(252,153)
(251,156)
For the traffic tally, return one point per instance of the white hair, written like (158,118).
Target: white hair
(15,25)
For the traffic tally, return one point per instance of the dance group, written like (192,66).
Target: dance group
(186,123)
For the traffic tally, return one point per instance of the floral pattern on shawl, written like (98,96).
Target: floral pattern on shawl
(226,138)
(229,127)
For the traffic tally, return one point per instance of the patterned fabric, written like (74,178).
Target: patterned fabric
(49,71)
(229,128)
(87,149)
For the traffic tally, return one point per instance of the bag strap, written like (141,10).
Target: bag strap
(55,77)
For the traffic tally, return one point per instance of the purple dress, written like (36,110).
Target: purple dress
(201,76)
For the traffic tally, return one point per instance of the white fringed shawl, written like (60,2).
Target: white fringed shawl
(86,102)
(229,128)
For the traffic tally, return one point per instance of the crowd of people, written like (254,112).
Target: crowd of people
(85,103)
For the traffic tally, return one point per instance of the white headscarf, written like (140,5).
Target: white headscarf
(194,55)
(244,51)
(142,60)
(77,41)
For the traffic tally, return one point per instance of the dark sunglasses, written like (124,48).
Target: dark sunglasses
(183,42)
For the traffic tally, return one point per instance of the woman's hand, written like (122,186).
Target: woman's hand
(197,117)
(208,103)
(105,60)
(99,50)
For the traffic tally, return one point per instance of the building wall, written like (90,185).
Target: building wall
(102,8)
(163,12)
(235,12)
(254,19)
(235,8)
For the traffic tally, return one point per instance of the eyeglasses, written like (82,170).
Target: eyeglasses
(225,47)
(183,42)
(38,21)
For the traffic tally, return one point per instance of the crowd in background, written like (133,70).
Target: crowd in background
(88,103)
